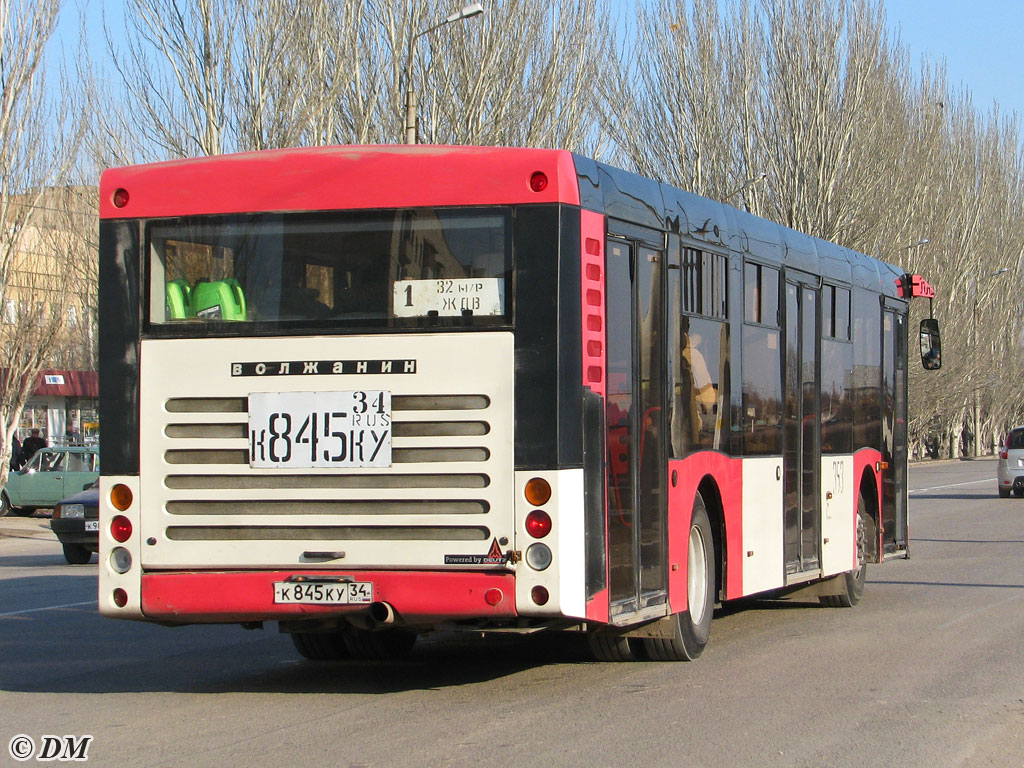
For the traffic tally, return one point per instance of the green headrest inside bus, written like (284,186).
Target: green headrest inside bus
(219,300)
(179,300)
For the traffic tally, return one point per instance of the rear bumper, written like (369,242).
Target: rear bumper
(416,597)
(72,531)
(1011,479)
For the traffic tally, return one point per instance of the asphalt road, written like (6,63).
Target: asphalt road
(926,671)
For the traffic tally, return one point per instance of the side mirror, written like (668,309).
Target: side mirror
(931,344)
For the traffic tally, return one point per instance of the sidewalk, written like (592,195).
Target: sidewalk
(34,527)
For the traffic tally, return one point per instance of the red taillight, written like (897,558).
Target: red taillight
(1004,455)
(540,595)
(120,598)
(120,198)
(538,182)
(121,528)
(493,596)
(538,524)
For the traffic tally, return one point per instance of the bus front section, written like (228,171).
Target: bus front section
(344,417)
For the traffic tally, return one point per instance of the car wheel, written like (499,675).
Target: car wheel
(1004,493)
(77,554)
(1018,492)
(5,505)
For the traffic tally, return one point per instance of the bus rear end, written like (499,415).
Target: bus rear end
(341,389)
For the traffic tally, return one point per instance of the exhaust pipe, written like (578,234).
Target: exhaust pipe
(382,613)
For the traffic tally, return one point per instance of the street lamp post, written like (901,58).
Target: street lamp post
(473,9)
(974,329)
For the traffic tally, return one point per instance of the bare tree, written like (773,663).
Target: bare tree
(38,142)
(175,71)
(209,76)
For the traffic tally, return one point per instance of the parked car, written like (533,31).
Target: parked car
(76,521)
(1010,468)
(51,474)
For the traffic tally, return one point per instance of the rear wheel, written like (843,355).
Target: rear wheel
(692,627)
(853,581)
(77,554)
(321,646)
(1004,493)
(5,505)
(608,646)
(381,645)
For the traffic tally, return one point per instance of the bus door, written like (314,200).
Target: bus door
(894,430)
(635,422)
(802,446)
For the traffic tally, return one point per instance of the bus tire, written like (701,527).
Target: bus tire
(379,645)
(609,646)
(853,581)
(321,646)
(692,627)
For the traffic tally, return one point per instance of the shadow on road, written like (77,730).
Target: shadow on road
(932,496)
(957,584)
(34,561)
(70,648)
(967,541)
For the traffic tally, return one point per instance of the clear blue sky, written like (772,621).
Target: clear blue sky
(981,41)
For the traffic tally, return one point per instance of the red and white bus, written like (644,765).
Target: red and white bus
(367,392)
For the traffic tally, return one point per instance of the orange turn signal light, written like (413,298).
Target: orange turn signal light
(538,491)
(121,497)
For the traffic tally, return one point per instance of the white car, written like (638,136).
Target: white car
(1010,471)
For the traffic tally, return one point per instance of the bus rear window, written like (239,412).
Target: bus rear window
(352,269)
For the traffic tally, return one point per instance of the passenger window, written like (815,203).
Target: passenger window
(51,462)
(77,462)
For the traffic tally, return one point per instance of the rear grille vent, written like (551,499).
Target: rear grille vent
(325,533)
(302,507)
(398,456)
(235,503)
(283,482)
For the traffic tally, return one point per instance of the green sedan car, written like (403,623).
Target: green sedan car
(51,474)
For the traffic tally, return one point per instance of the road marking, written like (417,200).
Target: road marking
(954,485)
(47,608)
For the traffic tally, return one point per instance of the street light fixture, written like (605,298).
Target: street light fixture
(473,9)
(974,328)
(744,186)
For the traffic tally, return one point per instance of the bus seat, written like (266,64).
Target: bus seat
(219,300)
(179,300)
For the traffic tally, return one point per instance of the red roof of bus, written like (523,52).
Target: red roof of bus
(328,178)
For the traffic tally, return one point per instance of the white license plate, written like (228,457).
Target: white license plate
(323,593)
(92,525)
(333,430)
